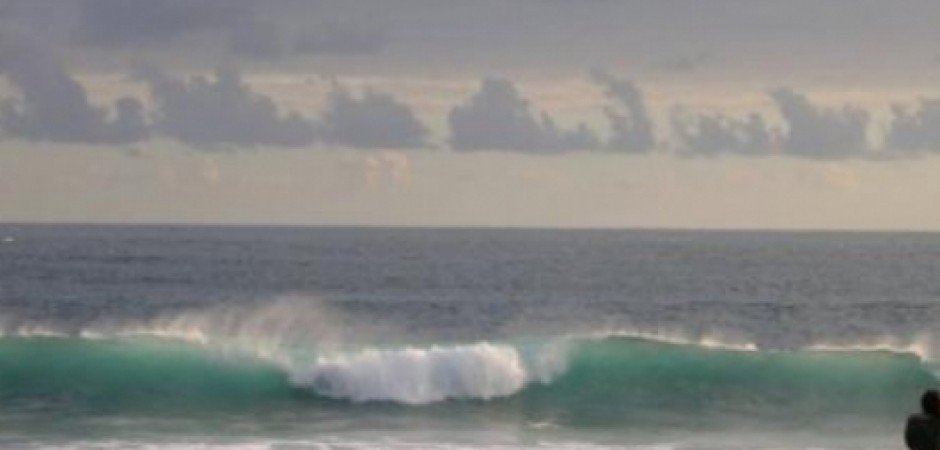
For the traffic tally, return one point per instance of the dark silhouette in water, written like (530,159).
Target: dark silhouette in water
(923,430)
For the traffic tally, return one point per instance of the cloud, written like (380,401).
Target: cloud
(818,132)
(205,111)
(248,28)
(51,20)
(810,131)
(917,130)
(487,33)
(716,134)
(371,120)
(497,118)
(257,39)
(686,63)
(334,38)
(122,22)
(53,106)
(631,125)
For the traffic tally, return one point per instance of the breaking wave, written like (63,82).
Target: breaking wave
(572,379)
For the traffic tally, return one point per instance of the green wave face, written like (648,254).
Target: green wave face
(605,382)
(624,380)
(130,374)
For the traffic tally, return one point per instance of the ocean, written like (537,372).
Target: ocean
(148,337)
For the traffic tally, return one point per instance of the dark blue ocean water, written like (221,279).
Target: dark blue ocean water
(121,337)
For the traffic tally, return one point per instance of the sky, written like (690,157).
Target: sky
(690,114)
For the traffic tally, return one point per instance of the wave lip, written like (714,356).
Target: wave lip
(919,346)
(707,341)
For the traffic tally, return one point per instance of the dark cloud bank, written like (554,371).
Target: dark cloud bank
(203,111)
(808,131)
(121,22)
(253,29)
(222,110)
(917,129)
(372,120)
(54,107)
(497,117)
(631,125)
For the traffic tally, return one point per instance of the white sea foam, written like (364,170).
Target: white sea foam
(423,375)
(303,340)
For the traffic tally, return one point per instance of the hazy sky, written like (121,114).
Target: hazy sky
(535,113)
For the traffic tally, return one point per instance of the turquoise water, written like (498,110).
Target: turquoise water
(143,337)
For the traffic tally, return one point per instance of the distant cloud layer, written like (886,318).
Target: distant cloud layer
(484,35)
(257,39)
(340,38)
(52,106)
(371,120)
(809,131)
(497,117)
(817,132)
(252,29)
(205,111)
(121,22)
(631,125)
(717,134)
(916,129)
(223,110)
(685,63)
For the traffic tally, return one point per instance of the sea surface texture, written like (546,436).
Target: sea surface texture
(340,338)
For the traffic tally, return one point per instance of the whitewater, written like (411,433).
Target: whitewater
(254,338)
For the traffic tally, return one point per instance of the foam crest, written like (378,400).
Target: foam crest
(710,341)
(31,330)
(422,375)
(919,346)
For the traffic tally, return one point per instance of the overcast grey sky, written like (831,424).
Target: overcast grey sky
(599,113)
